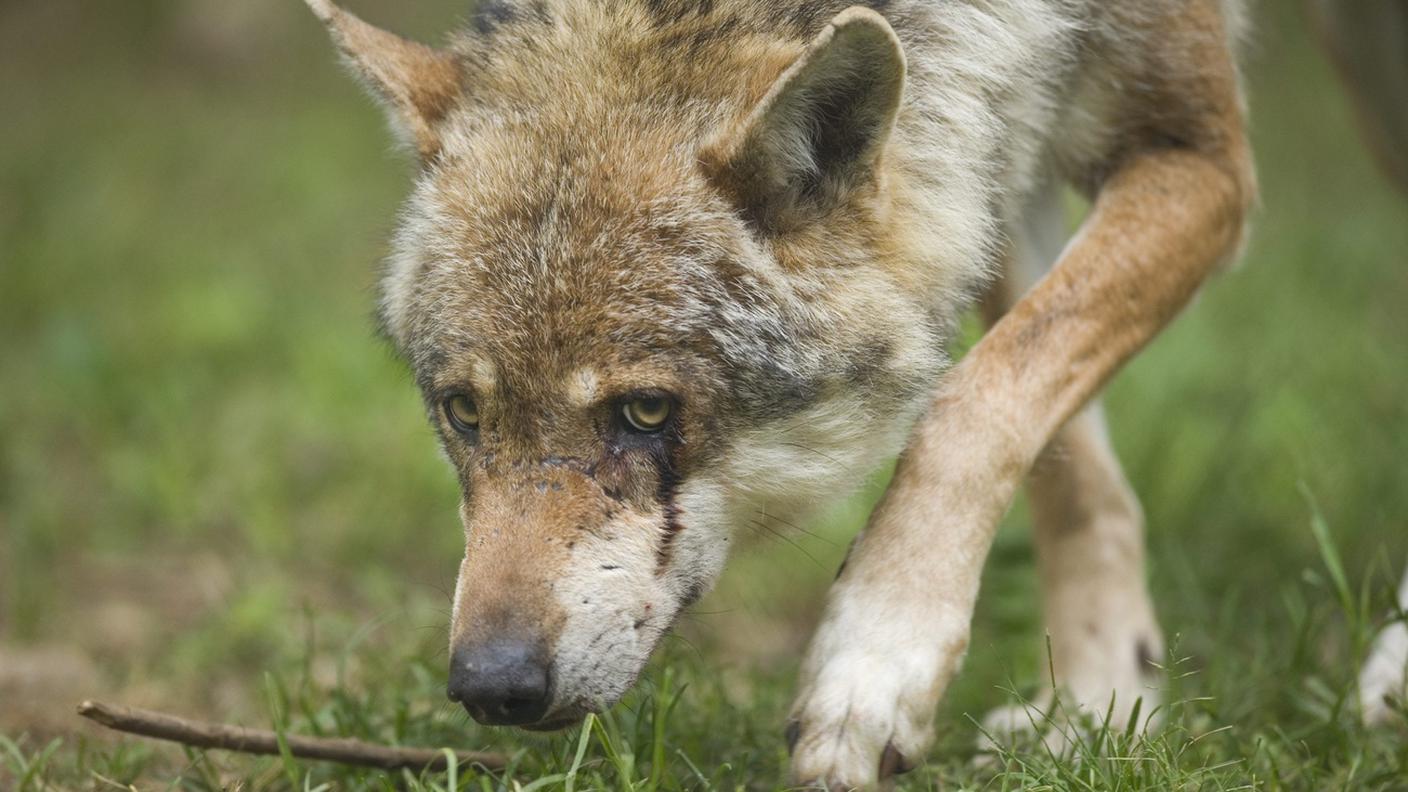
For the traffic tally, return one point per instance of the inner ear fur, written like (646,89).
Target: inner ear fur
(418,84)
(819,131)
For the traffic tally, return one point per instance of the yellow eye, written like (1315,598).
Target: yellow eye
(462,413)
(647,415)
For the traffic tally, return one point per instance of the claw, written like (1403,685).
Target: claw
(893,763)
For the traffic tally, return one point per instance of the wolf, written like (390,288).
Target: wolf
(670,265)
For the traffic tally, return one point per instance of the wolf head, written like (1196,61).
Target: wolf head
(654,283)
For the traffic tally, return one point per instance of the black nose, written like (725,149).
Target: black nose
(501,682)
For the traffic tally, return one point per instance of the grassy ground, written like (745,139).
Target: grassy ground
(217,494)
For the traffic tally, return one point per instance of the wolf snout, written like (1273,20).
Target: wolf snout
(502,682)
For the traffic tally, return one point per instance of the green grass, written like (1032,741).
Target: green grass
(218,495)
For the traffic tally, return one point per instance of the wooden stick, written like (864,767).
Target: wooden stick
(203,734)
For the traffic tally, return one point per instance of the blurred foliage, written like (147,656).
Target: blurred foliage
(211,470)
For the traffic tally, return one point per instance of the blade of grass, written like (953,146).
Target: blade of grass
(571,780)
(277,713)
(1329,554)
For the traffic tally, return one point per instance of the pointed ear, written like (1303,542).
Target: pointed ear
(419,84)
(819,132)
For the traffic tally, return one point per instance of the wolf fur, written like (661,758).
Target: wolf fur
(772,213)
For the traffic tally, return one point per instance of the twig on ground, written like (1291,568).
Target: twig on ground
(203,734)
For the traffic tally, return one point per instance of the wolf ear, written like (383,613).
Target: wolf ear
(819,131)
(419,84)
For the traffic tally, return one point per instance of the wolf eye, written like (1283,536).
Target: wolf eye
(647,414)
(462,413)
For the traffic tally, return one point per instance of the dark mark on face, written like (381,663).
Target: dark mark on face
(662,454)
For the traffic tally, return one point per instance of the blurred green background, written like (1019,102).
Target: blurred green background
(218,493)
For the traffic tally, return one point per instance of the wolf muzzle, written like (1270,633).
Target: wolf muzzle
(501,682)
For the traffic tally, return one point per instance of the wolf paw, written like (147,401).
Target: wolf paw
(856,735)
(1108,675)
(1060,725)
(1385,676)
(1110,696)
(866,712)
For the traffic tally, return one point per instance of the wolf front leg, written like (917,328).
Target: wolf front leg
(896,624)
